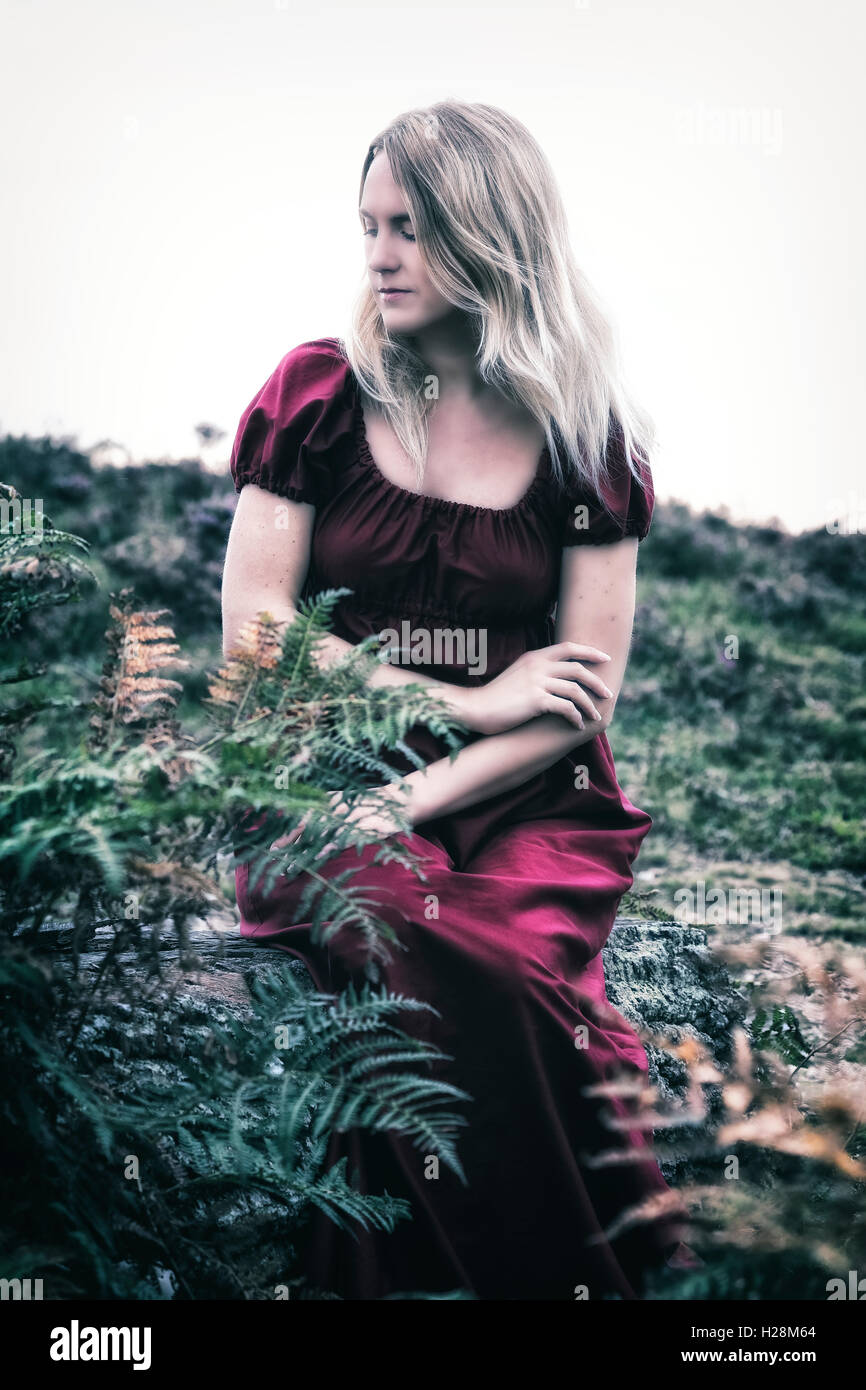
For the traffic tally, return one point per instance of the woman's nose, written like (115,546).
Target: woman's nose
(383,257)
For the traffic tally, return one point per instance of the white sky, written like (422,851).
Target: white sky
(180,182)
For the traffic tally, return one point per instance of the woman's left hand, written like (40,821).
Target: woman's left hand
(369,815)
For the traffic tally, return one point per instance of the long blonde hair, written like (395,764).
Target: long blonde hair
(492,234)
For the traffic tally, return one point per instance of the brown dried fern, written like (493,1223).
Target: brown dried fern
(131,691)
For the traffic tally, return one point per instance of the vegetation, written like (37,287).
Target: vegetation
(128,770)
(118,828)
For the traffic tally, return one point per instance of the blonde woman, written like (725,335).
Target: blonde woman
(467,462)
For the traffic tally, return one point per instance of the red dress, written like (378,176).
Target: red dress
(528,881)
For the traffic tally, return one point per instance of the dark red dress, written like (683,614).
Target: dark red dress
(527,882)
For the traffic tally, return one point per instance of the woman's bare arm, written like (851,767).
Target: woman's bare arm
(596,606)
(266,563)
(266,560)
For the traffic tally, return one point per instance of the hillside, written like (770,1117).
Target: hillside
(741,727)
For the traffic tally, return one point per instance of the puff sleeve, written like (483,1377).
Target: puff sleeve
(624,509)
(293,429)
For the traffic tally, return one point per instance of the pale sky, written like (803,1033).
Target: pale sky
(180,187)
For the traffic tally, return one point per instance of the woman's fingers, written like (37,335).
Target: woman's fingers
(573,671)
(569,691)
(555,704)
(364,816)
(561,651)
(292,836)
(286,839)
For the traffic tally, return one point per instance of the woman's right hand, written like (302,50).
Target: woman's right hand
(546,681)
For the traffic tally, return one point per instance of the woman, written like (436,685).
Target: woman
(468,464)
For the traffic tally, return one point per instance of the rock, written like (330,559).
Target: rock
(662,976)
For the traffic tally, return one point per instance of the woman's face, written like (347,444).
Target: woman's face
(392,256)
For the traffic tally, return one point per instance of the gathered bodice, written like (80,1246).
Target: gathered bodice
(409,558)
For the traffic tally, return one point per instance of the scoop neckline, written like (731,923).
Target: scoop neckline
(425,498)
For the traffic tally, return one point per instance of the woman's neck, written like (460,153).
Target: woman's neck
(448,347)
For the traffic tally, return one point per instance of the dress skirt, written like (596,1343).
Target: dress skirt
(512,964)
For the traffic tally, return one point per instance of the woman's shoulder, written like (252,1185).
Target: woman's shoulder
(622,507)
(324,349)
(321,362)
(288,435)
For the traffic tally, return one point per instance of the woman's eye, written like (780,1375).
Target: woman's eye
(370,231)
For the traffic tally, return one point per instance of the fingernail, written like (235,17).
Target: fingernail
(608,693)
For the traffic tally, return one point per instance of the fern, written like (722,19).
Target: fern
(138,827)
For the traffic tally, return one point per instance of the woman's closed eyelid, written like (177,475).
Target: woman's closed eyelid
(367,231)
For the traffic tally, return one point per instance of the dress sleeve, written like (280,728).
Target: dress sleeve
(626,505)
(288,436)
